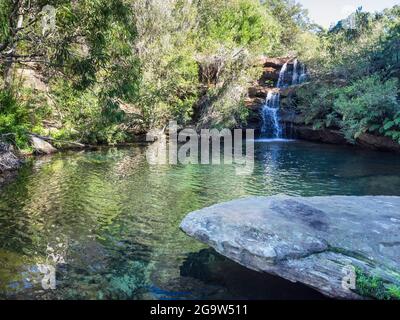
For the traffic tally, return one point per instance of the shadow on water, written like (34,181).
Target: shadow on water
(210,267)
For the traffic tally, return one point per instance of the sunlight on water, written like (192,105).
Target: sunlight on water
(109,222)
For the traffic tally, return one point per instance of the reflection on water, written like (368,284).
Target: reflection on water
(108,222)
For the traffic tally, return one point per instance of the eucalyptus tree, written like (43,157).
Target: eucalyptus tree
(82,45)
(78,37)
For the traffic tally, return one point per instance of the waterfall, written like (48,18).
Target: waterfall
(299,73)
(270,118)
(295,77)
(282,76)
(303,75)
(271,126)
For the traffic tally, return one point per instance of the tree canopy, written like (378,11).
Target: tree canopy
(111,69)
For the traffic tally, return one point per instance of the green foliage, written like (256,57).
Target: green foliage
(18,119)
(356,73)
(174,95)
(168,86)
(178,41)
(292,18)
(122,67)
(102,33)
(237,23)
(316,104)
(88,63)
(85,117)
(394,292)
(4,21)
(366,103)
(227,109)
(391,127)
(119,68)
(375,287)
(233,33)
(355,47)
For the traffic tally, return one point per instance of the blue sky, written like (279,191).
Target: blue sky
(324,12)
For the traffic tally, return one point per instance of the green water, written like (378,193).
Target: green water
(109,222)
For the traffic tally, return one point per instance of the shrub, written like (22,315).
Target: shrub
(366,105)
(19,117)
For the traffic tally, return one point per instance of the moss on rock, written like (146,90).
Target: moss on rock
(375,287)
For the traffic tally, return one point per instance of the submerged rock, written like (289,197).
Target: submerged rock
(341,246)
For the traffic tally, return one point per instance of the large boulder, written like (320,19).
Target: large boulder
(41,146)
(344,247)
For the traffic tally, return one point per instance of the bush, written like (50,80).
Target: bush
(18,118)
(367,105)
(86,117)
(355,74)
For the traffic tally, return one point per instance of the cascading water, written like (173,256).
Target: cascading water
(271,126)
(299,72)
(295,77)
(303,75)
(282,76)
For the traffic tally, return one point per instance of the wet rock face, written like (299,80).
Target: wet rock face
(309,240)
(332,136)
(270,77)
(378,142)
(321,135)
(258,91)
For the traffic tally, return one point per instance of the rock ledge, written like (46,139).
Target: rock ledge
(332,244)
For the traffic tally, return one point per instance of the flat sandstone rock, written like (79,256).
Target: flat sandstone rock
(335,245)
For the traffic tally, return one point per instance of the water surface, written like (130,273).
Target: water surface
(109,222)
